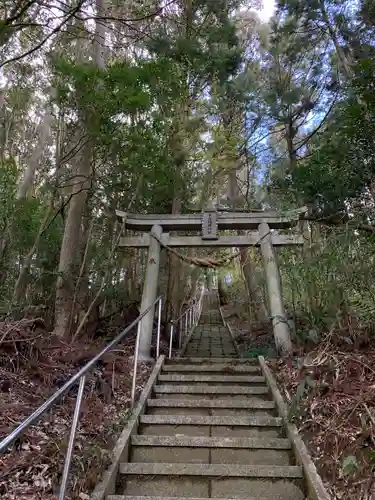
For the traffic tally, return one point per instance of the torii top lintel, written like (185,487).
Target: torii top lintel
(225,220)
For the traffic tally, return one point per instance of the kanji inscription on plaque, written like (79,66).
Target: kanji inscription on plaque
(209,225)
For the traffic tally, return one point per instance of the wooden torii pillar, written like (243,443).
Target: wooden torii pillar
(275,294)
(149,295)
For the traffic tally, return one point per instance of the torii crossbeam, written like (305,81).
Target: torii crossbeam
(229,220)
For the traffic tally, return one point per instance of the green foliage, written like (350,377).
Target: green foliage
(342,163)
(336,277)
(121,88)
(349,465)
(8,188)
(267,352)
(206,51)
(28,215)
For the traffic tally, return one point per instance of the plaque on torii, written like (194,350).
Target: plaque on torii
(209,224)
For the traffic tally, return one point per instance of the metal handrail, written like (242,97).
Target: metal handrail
(81,376)
(192,315)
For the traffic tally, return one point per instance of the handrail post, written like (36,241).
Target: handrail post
(180,330)
(170,340)
(72,437)
(159,326)
(135,363)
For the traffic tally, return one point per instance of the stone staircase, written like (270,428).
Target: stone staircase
(210,338)
(210,427)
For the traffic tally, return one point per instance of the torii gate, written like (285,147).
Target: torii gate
(209,223)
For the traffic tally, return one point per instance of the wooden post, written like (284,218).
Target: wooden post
(279,320)
(150,288)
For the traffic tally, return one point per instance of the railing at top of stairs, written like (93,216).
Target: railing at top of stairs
(188,319)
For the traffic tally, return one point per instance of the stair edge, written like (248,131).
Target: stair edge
(226,421)
(315,487)
(211,470)
(211,442)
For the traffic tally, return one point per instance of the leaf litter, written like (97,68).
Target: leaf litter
(331,393)
(330,389)
(33,365)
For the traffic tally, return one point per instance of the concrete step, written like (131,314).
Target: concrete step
(211,442)
(213,396)
(209,329)
(212,470)
(204,406)
(209,345)
(129,497)
(209,333)
(209,389)
(200,334)
(196,360)
(251,404)
(206,345)
(215,487)
(208,352)
(214,351)
(223,368)
(205,455)
(204,342)
(232,421)
(211,340)
(229,379)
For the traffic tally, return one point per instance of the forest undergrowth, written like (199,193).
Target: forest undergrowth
(33,365)
(330,390)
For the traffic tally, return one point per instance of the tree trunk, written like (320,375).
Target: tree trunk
(21,283)
(82,284)
(5,243)
(173,304)
(25,186)
(340,53)
(43,133)
(194,281)
(209,280)
(69,252)
(292,153)
(255,296)
(222,290)
(254,291)
(108,274)
(83,175)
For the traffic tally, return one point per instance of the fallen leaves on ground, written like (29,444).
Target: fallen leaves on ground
(335,413)
(331,392)
(33,365)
